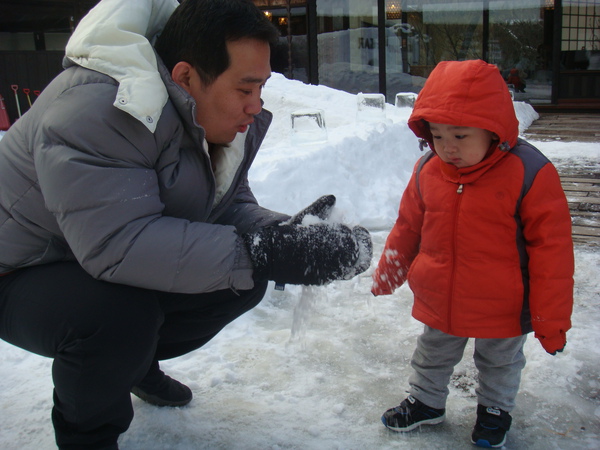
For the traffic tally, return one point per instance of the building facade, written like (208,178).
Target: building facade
(387,46)
(550,49)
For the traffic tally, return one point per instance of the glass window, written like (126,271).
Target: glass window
(580,46)
(517,36)
(348,56)
(424,33)
(290,57)
(522,39)
(512,35)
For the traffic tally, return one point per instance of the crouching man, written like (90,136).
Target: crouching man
(128,230)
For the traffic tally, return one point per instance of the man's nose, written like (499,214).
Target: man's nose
(254,106)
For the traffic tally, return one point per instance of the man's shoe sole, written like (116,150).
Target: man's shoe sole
(157,401)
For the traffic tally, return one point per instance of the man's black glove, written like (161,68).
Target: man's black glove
(311,255)
(320,208)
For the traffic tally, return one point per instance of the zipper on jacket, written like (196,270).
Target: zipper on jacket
(454,233)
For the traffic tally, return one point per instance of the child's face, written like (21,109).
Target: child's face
(461,146)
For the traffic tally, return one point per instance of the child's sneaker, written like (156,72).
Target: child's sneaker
(491,427)
(410,414)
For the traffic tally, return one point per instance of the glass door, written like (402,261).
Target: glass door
(348,45)
(291,56)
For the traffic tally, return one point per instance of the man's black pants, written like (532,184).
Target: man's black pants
(103,338)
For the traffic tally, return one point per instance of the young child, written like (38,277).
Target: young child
(515,79)
(483,238)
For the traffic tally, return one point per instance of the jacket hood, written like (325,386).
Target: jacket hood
(114,38)
(469,94)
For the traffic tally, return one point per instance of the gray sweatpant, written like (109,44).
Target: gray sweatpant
(498,361)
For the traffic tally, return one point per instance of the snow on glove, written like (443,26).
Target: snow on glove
(315,254)
(320,208)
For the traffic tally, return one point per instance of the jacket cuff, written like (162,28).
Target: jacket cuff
(242,270)
(242,256)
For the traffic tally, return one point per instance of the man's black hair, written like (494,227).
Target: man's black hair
(198,30)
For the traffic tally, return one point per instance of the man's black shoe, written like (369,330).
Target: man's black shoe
(161,390)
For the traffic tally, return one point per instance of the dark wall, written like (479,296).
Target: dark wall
(579,85)
(31,70)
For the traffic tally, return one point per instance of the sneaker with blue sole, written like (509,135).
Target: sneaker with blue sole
(410,414)
(491,427)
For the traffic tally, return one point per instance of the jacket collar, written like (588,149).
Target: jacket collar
(472,173)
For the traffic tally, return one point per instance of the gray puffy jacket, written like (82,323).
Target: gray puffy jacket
(82,180)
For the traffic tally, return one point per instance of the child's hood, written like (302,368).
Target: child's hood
(466,93)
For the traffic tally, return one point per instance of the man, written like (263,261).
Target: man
(128,231)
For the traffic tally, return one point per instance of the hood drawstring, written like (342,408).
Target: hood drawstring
(505,146)
(423,144)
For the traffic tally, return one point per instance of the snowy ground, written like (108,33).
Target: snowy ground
(314,368)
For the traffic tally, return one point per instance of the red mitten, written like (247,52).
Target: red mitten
(553,344)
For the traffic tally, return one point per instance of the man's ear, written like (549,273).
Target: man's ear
(182,75)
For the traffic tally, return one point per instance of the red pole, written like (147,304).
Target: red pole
(4,120)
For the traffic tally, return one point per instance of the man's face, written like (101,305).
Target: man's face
(228,105)
(460,146)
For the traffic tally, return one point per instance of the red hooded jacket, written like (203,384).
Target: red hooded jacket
(486,249)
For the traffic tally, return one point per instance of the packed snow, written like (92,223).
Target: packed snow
(315,367)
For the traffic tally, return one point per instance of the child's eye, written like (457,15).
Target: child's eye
(436,137)
(460,136)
